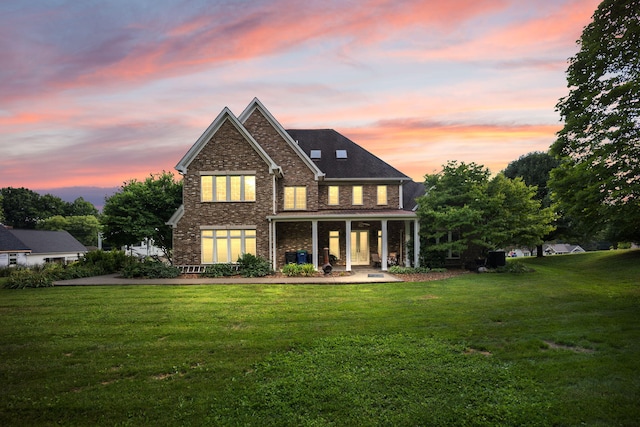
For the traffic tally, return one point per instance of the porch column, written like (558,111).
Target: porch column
(407,238)
(314,242)
(347,237)
(416,243)
(385,249)
(273,253)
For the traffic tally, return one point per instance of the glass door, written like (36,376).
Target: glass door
(360,247)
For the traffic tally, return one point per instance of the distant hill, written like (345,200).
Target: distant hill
(93,195)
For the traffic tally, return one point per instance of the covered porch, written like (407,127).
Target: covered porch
(355,239)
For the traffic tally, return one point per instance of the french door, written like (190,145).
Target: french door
(360,247)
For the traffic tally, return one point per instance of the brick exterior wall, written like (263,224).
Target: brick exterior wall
(226,151)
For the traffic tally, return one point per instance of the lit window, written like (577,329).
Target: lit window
(334,243)
(357,194)
(334,195)
(224,246)
(295,198)
(382,194)
(228,188)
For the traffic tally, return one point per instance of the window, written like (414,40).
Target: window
(334,243)
(334,195)
(295,198)
(357,194)
(341,154)
(382,194)
(13,259)
(228,188)
(223,246)
(316,154)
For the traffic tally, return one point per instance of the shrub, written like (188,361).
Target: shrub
(220,270)
(150,269)
(253,266)
(516,267)
(397,269)
(297,270)
(21,278)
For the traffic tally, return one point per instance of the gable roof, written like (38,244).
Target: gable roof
(43,241)
(257,105)
(10,243)
(224,116)
(358,164)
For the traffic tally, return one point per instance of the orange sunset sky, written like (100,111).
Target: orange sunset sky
(95,93)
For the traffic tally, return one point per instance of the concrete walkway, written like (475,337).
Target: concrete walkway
(335,278)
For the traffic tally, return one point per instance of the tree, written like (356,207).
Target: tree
(467,213)
(22,207)
(85,228)
(534,169)
(139,210)
(598,181)
(81,207)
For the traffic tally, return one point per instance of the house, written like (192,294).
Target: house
(36,247)
(561,248)
(250,186)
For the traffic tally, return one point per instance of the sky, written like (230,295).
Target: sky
(96,93)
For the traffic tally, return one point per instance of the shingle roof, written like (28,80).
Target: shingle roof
(410,192)
(42,241)
(9,242)
(359,162)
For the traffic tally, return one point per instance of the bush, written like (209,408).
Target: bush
(220,270)
(253,266)
(516,267)
(297,270)
(21,278)
(149,269)
(397,269)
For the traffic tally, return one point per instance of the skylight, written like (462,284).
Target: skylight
(341,154)
(316,154)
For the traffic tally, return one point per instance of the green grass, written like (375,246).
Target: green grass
(560,346)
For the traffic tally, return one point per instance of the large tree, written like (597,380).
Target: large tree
(85,228)
(139,210)
(466,212)
(598,181)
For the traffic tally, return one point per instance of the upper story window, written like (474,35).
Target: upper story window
(341,154)
(295,198)
(382,194)
(228,188)
(316,154)
(357,195)
(333,195)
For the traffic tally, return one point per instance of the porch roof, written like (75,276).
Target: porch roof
(343,215)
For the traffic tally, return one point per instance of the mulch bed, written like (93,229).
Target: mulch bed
(427,277)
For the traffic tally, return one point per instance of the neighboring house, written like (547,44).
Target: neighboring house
(145,248)
(561,248)
(35,247)
(250,186)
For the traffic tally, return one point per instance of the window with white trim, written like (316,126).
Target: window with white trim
(295,198)
(334,195)
(224,246)
(228,188)
(382,194)
(357,195)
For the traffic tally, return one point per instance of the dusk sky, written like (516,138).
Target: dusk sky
(95,93)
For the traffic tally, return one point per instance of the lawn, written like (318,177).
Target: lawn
(560,346)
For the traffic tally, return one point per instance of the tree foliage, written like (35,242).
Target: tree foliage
(140,210)
(478,212)
(598,181)
(24,208)
(534,168)
(85,228)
